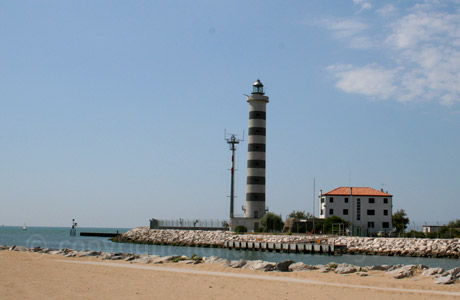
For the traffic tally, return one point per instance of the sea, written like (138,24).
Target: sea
(59,237)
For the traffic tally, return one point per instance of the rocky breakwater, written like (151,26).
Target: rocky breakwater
(447,248)
(144,235)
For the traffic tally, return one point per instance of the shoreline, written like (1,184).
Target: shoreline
(398,271)
(83,274)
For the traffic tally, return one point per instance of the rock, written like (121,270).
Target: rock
(145,259)
(399,273)
(346,269)
(377,268)
(237,263)
(89,253)
(71,254)
(300,266)
(448,279)
(54,252)
(432,271)
(215,259)
(454,272)
(283,266)
(19,248)
(164,259)
(362,274)
(188,262)
(259,265)
(324,270)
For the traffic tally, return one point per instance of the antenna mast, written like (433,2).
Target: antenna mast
(232,141)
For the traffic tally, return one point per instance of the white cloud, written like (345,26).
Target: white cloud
(424,47)
(371,80)
(350,31)
(364,5)
(387,10)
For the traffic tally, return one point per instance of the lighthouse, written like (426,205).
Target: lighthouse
(255,183)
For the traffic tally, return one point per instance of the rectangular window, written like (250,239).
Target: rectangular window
(385,200)
(346,200)
(386,225)
(322,211)
(358,209)
(331,200)
(256,214)
(371,212)
(371,200)
(370,224)
(345,212)
(385,212)
(331,211)
(322,200)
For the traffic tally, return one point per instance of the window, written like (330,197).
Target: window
(358,209)
(370,224)
(322,211)
(331,211)
(385,200)
(345,212)
(386,225)
(371,212)
(322,200)
(331,200)
(371,200)
(385,212)
(256,214)
(346,200)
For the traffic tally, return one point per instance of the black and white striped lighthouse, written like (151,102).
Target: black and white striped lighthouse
(255,184)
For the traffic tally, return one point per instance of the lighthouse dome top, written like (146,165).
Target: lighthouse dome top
(258,87)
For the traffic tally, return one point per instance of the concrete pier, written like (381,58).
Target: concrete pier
(302,248)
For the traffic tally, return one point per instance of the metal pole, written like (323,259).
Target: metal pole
(232,185)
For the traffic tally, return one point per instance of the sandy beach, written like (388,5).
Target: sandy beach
(27,275)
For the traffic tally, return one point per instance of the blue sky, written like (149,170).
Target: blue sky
(114,112)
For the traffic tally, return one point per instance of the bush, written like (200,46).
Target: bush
(241,229)
(328,222)
(272,222)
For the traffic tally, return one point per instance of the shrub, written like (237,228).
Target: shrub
(241,229)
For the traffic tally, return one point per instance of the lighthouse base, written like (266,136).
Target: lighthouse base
(251,224)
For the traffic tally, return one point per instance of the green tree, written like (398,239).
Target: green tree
(328,223)
(454,224)
(300,215)
(271,222)
(400,220)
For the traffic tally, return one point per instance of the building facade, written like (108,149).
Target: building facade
(368,211)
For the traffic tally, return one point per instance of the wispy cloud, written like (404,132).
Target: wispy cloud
(363,5)
(424,46)
(350,31)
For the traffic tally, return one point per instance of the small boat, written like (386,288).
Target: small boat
(24,227)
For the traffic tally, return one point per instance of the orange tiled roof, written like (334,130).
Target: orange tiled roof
(357,191)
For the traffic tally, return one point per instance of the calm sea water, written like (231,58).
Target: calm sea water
(59,237)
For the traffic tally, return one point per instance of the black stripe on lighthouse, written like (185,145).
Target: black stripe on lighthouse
(261,115)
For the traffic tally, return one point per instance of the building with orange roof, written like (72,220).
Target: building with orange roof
(368,211)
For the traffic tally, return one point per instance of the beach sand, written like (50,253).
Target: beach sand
(27,275)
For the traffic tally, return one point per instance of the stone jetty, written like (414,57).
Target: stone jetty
(446,248)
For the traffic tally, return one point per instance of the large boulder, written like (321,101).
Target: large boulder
(300,266)
(448,279)
(215,260)
(283,266)
(432,271)
(346,269)
(259,265)
(237,263)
